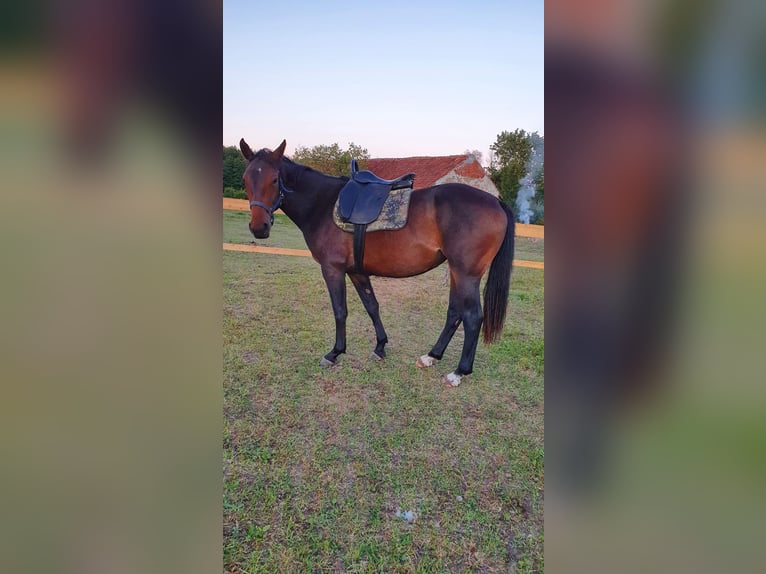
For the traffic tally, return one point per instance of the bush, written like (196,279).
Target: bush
(234,192)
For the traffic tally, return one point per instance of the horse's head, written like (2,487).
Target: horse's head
(261,180)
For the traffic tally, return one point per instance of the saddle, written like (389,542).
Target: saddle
(361,201)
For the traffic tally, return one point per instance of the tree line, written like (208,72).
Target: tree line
(509,163)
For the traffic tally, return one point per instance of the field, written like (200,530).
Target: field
(375,466)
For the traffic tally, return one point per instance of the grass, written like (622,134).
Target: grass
(317,462)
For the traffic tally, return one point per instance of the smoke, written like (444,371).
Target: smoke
(524,203)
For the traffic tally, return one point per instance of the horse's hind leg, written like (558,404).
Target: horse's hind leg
(451,325)
(472,318)
(367,295)
(469,304)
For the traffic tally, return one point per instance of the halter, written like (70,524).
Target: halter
(271,209)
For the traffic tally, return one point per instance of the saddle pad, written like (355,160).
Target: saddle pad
(392,216)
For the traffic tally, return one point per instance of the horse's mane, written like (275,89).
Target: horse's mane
(263,153)
(306,168)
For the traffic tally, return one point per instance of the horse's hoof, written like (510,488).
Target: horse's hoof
(375,357)
(326,363)
(452,379)
(425,361)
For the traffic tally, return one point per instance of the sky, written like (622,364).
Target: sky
(398,78)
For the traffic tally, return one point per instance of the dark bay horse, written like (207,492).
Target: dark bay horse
(467,227)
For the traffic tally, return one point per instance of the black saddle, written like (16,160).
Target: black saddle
(361,201)
(364,177)
(362,198)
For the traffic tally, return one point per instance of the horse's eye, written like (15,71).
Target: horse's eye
(275,181)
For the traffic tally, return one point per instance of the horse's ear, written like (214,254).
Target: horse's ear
(276,155)
(245,149)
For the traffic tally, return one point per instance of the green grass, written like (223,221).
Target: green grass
(317,462)
(283,234)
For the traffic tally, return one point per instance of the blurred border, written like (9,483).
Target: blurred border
(110,350)
(654,428)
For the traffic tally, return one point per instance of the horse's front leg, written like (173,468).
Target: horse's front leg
(367,295)
(336,285)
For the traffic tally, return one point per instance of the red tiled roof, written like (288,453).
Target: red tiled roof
(427,170)
(473,170)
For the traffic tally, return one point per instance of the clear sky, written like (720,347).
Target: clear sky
(401,78)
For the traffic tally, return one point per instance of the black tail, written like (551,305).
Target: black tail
(498,283)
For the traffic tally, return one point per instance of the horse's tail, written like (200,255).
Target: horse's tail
(498,283)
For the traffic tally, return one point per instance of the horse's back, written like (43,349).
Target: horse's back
(464,199)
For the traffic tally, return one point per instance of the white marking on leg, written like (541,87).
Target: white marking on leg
(452,379)
(425,361)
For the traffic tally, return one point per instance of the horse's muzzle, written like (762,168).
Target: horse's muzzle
(260,232)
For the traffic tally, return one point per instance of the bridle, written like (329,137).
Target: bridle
(271,209)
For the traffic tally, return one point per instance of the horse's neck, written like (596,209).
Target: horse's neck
(312,198)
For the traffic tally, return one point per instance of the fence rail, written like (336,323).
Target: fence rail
(229,204)
(522,229)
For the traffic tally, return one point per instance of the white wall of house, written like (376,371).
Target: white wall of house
(484,183)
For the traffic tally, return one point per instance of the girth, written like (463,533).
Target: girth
(360,231)
(361,201)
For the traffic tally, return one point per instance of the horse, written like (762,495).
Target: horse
(465,226)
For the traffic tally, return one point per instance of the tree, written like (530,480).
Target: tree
(331,159)
(233,167)
(540,183)
(509,156)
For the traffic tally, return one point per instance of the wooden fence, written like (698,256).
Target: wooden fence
(229,204)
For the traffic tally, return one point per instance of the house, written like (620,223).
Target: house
(435,170)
